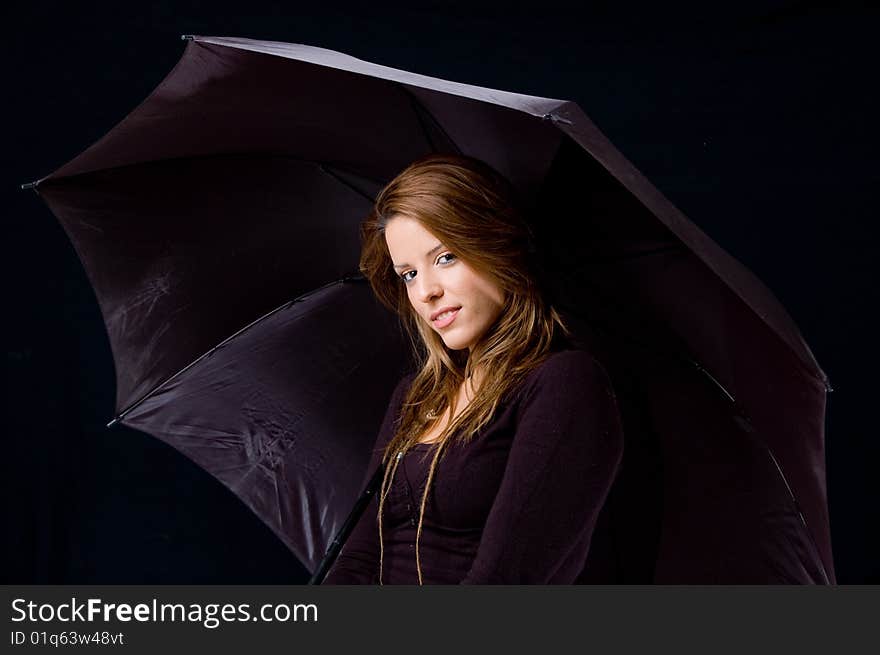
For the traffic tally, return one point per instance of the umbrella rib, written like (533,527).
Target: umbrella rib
(702,370)
(419,106)
(197,157)
(745,423)
(420,118)
(800,513)
(301,298)
(674,355)
(326,169)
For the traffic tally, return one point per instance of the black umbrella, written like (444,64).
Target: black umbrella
(218,225)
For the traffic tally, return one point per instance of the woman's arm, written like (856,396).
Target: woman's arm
(358,561)
(564,456)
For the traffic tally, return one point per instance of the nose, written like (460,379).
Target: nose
(427,287)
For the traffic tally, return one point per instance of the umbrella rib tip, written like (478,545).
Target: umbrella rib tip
(556,119)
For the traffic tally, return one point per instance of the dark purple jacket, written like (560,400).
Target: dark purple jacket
(517,505)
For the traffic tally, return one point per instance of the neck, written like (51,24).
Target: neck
(474,379)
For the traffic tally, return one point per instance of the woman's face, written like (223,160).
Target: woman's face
(437,281)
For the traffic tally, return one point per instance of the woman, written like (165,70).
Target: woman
(501,448)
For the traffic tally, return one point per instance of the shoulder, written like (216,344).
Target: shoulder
(404,384)
(568,361)
(565,364)
(400,391)
(567,373)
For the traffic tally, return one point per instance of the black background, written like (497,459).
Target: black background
(756,119)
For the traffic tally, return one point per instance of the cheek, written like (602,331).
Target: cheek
(495,309)
(414,302)
(500,300)
(492,297)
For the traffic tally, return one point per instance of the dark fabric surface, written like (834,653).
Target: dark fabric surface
(547,494)
(516,505)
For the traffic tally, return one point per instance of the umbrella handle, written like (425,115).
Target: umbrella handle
(341,536)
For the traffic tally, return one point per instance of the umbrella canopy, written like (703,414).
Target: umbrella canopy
(218,226)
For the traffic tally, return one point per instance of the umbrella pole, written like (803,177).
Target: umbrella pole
(341,536)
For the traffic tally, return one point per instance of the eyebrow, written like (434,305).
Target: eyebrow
(427,254)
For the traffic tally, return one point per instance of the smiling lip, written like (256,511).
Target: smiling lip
(441,311)
(448,319)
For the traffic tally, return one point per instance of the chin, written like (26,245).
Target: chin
(456,344)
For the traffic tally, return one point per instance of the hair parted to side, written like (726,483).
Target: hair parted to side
(475,212)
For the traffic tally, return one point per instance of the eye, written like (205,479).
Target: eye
(447,258)
(448,254)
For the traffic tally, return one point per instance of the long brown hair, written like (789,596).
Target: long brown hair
(476,213)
